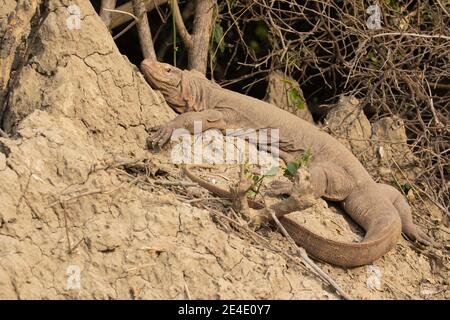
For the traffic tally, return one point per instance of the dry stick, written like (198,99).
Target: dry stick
(204,199)
(431,104)
(66,226)
(129,26)
(62,202)
(410,296)
(76,245)
(123,163)
(145,35)
(131,15)
(90,193)
(105,15)
(443,8)
(186,289)
(119,19)
(419,190)
(176,183)
(8,253)
(428,36)
(307,260)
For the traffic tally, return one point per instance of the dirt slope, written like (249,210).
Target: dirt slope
(67,209)
(87,108)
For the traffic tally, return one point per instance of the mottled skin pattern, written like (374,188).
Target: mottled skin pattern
(335,173)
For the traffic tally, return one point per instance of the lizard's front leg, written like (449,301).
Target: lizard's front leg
(209,119)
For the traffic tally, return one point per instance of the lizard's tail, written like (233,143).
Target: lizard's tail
(215,189)
(202,183)
(380,220)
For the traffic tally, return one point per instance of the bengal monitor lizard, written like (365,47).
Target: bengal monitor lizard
(335,173)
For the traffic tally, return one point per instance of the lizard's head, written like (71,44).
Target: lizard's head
(182,89)
(160,75)
(165,78)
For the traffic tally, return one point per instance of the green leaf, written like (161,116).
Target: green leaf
(305,158)
(272,172)
(254,45)
(261,32)
(373,58)
(291,168)
(218,37)
(250,193)
(296,99)
(256,178)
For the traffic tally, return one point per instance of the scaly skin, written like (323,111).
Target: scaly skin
(336,174)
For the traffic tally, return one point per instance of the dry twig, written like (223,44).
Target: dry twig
(106,15)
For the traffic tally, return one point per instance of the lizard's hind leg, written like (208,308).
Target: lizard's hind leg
(404,210)
(301,195)
(321,180)
(327,180)
(280,188)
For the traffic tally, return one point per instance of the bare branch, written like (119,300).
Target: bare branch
(145,35)
(198,54)
(419,35)
(184,34)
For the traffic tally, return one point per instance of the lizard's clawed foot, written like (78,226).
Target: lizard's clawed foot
(160,135)
(279,188)
(416,234)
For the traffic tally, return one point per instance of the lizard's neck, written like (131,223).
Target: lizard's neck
(199,93)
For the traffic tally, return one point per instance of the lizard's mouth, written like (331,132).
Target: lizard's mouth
(148,74)
(157,74)
(161,83)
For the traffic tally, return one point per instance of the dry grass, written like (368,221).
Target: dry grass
(402,68)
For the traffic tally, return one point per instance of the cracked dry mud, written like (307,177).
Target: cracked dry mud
(79,105)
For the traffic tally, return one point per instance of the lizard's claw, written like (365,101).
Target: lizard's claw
(161,135)
(154,128)
(416,234)
(259,219)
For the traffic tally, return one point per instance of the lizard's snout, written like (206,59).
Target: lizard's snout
(147,69)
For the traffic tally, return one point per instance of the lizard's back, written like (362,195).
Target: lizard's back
(295,134)
(364,203)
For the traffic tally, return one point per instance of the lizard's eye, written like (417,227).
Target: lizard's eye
(168,70)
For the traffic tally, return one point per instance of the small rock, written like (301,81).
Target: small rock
(381,152)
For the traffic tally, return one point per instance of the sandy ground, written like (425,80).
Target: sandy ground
(81,219)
